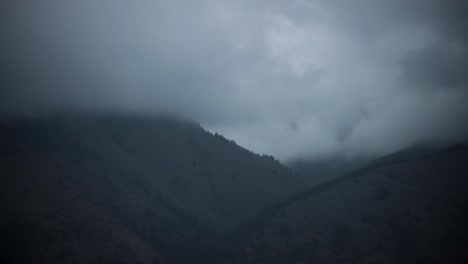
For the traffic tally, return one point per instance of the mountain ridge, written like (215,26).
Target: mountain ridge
(275,214)
(168,182)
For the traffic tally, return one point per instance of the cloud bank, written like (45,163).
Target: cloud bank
(290,78)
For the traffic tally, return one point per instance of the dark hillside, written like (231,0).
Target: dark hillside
(120,188)
(412,211)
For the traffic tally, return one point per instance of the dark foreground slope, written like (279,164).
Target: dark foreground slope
(412,211)
(116,189)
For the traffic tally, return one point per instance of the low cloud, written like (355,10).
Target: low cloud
(299,78)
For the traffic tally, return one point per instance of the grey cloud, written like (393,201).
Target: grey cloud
(438,65)
(288,78)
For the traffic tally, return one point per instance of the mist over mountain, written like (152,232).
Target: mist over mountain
(296,79)
(233,131)
(316,171)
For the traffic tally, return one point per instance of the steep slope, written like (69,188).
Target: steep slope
(397,212)
(129,189)
(209,173)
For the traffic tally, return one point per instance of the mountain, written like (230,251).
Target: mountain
(316,171)
(125,189)
(407,154)
(320,170)
(412,210)
(140,189)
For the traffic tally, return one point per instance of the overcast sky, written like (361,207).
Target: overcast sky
(290,78)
